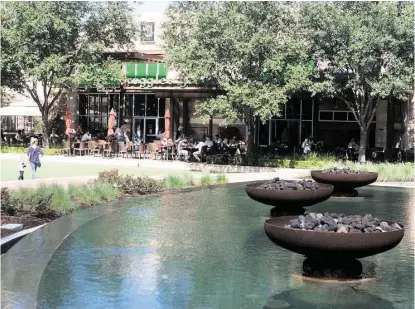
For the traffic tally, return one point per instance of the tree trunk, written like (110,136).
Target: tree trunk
(251,132)
(363,144)
(389,124)
(46,134)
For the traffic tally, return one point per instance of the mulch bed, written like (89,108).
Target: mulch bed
(27,219)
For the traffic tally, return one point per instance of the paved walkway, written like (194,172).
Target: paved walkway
(251,175)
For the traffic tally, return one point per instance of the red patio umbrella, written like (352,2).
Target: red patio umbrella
(111,122)
(68,122)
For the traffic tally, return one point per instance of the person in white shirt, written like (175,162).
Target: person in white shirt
(197,153)
(181,151)
(22,166)
(86,137)
(306,146)
(208,142)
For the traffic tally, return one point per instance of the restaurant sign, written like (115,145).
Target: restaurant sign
(151,82)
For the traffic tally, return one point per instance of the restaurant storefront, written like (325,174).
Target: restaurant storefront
(150,91)
(147,95)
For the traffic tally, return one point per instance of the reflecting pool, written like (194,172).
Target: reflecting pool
(207,249)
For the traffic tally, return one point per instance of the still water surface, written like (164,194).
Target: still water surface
(207,249)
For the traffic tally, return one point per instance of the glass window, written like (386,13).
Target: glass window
(114,101)
(139,104)
(263,133)
(83,103)
(326,115)
(293,109)
(162,125)
(162,107)
(129,102)
(104,105)
(152,105)
(307,109)
(351,116)
(306,129)
(340,116)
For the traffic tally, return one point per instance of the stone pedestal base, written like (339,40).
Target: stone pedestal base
(333,269)
(345,193)
(281,212)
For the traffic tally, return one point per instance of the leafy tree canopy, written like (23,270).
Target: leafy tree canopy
(55,44)
(254,51)
(369,50)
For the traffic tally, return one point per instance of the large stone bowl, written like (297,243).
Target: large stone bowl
(330,245)
(344,182)
(286,199)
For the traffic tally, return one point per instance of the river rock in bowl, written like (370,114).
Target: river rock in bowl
(279,184)
(336,170)
(340,223)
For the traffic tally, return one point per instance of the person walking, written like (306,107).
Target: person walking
(33,153)
(22,166)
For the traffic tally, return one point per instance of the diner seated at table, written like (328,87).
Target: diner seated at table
(197,153)
(86,137)
(19,137)
(181,151)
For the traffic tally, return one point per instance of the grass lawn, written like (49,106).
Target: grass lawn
(9,170)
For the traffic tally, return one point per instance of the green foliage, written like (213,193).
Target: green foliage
(386,171)
(205,180)
(254,52)
(175,182)
(23,150)
(38,125)
(368,50)
(53,44)
(128,184)
(221,179)
(8,204)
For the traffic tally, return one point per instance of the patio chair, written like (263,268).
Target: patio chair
(81,148)
(153,150)
(66,148)
(109,149)
(93,148)
(121,149)
(130,149)
(142,151)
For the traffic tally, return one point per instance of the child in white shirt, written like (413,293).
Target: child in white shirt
(22,166)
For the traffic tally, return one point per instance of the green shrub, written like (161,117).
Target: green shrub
(221,179)
(23,197)
(128,184)
(175,182)
(8,203)
(105,192)
(386,171)
(41,206)
(21,149)
(205,180)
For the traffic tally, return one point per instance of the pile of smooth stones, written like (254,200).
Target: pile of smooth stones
(340,223)
(277,184)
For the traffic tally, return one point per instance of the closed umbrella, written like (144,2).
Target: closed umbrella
(111,122)
(68,122)
(167,124)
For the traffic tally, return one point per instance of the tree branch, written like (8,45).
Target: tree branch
(34,96)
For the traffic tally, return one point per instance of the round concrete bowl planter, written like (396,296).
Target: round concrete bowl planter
(288,199)
(330,245)
(344,182)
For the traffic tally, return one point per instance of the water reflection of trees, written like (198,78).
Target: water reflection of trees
(215,253)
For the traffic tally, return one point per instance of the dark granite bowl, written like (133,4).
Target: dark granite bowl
(289,198)
(330,245)
(344,181)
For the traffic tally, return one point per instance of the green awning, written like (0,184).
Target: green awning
(145,70)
